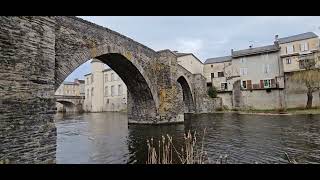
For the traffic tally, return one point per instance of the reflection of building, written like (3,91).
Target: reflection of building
(105,91)
(69,89)
(259,77)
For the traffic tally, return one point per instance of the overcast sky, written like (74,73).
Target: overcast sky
(204,36)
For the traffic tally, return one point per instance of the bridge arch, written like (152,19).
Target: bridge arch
(130,60)
(188,100)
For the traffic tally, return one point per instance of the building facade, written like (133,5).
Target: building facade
(190,62)
(75,88)
(105,91)
(295,52)
(260,77)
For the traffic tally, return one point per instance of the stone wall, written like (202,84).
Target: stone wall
(226,98)
(262,100)
(27,53)
(296,94)
(204,104)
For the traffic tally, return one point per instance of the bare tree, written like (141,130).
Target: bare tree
(310,76)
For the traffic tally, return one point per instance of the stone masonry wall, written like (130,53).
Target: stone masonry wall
(27,53)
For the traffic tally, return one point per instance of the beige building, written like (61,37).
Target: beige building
(259,77)
(105,91)
(190,62)
(218,72)
(75,88)
(295,52)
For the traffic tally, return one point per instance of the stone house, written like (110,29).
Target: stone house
(260,77)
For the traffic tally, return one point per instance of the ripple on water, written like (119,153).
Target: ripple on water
(106,138)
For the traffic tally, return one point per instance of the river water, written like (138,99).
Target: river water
(96,138)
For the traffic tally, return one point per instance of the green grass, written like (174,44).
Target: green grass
(301,110)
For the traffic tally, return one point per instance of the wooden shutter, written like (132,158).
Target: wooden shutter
(273,83)
(261,84)
(249,84)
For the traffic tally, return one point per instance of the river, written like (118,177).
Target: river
(95,138)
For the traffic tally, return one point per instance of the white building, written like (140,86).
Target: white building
(105,91)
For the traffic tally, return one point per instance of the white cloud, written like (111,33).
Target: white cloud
(189,45)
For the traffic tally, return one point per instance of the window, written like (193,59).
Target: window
(243,71)
(91,91)
(289,49)
(212,75)
(288,60)
(307,64)
(267,83)
(224,86)
(119,90)
(88,92)
(87,80)
(106,78)
(112,76)
(266,68)
(112,91)
(91,78)
(106,91)
(244,84)
(211,66)
(242,60)
(220,74)
(304,46)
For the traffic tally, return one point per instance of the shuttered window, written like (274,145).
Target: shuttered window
(249,84)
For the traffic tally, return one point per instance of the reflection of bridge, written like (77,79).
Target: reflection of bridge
(69,103)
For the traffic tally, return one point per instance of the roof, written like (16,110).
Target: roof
(108,69)
(297,37)
(69,83)
(96,60)
(181,54)
(218,59)
(178,54)
(257,50)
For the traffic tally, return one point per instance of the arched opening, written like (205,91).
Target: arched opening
(187,95)
(66,106)
(140,104)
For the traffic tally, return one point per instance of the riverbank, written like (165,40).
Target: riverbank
(291,111)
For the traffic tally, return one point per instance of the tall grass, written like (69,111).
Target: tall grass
(190,153)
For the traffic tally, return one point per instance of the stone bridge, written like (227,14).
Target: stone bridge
(70,103)
(38,53)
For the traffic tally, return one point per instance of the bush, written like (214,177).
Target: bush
(212,92)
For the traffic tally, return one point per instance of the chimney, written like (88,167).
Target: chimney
(276,37)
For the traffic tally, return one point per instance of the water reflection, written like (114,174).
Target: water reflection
(107,138)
